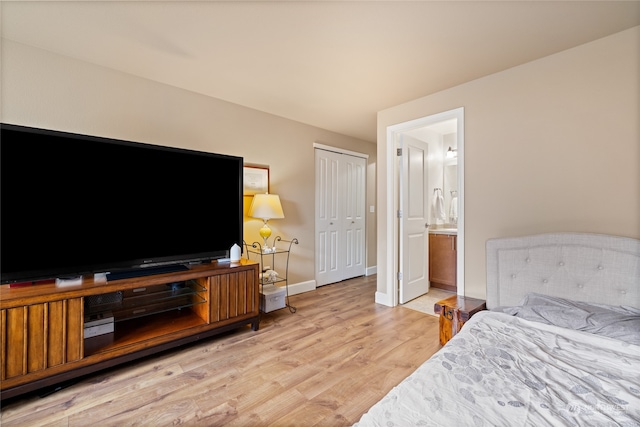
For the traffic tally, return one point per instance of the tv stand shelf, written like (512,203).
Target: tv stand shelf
(146,301)
(131,332)
(42,327)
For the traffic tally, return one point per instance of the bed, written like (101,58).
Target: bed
(558,345)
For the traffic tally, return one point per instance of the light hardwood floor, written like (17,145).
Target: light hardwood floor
(324,365)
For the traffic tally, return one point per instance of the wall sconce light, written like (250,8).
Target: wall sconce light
(266,207)
(452,152)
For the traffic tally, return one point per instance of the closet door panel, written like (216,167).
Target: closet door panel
(340,216)
(328,230)
(353,220)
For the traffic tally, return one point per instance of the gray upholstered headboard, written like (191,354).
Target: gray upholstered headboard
(584,267)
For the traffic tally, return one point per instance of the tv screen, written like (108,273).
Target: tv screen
(76,204)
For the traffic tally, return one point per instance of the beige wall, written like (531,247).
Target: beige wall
(550,146)
(46,90)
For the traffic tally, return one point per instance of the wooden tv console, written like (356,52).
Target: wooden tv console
(42,327)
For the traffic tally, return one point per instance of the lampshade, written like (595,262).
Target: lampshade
(266,207)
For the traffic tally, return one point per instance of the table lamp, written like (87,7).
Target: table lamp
(266,206)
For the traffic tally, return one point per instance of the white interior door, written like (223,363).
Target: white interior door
(414,223)
(352,193)
(340,216)
(327,221)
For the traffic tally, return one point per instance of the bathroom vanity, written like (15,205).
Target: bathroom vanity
(443,258)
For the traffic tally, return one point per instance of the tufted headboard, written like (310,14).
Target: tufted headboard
(585,267)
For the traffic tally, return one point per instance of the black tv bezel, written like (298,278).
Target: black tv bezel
(142,265)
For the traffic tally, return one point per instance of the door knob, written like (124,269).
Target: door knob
(426,225)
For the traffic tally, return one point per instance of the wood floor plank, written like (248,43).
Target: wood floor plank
(324,365)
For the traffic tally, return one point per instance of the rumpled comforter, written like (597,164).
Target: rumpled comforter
(501,370)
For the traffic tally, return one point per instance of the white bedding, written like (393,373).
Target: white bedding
(501,370)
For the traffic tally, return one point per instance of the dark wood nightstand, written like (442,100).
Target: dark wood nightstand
(454,312)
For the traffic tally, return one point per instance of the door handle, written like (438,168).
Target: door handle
(426,225)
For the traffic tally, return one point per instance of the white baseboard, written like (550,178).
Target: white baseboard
(383,299)
(302,287)
(310,285)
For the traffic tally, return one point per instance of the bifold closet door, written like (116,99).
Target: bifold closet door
(340,216)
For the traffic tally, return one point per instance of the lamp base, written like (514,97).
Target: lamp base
(265,232)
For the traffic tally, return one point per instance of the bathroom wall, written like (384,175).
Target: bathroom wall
(450,174)
(442,170)
(436,177)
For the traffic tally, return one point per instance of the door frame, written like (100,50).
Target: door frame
(392,226)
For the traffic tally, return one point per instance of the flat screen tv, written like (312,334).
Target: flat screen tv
(75,204)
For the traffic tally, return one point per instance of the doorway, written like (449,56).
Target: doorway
(446,123)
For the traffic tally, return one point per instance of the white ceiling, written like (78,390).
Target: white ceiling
(330,64)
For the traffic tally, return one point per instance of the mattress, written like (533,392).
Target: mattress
(502,370)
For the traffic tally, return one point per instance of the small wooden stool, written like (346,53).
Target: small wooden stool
(454,312)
